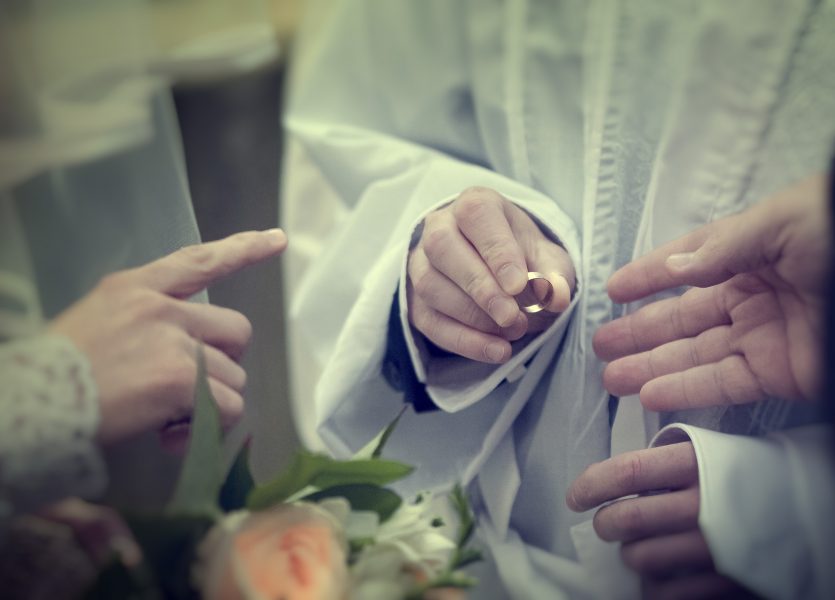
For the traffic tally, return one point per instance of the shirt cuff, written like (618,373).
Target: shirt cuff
(764,508)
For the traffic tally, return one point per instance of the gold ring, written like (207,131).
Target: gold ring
(541,303)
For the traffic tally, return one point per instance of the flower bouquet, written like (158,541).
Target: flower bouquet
(324,528)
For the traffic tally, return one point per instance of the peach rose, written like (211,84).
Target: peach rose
(291,551)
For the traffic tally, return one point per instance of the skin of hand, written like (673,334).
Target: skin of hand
(658,529)
(752,327)
(100,530)
(472,258)
(141,336)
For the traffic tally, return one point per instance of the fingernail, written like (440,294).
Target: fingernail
(512,279)
(494,352)
(503,311)
(680,261)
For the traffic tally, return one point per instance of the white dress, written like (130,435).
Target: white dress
(620,126)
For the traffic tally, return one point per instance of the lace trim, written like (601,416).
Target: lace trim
(50,414)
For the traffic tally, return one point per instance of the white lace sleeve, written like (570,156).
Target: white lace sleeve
(48,418)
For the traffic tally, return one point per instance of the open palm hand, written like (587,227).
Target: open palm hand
(752,329)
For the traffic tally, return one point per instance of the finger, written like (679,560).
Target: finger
(695,587)
(560,288)
(646,516)
(225,370)
(451,254)
(223,328)
(727,382)
(665,555)
(230,403)
(710,255)
(442,295)
(480,214)
(174,436)
(648,274)
(628,375)
(664,321)
(455,337)
(549,258)
(191,269)
(666,467)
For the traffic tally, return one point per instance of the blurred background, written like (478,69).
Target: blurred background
(229,115)
(87,84)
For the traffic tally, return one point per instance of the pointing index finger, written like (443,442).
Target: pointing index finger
(193,268)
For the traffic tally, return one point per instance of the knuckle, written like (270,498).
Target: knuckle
(177,376)
(479,194)
(143,303)
(197,253)
(199,258)
(421,282)
(479,289)
(436,242)
(473,315)
(473,203)
(631,519)
(432,327)
(460,343)
(422,321)
(628,472)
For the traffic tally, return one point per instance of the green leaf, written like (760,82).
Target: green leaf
(374,448)
(238,484)
(362,497)
(202,473)
(320,472)
(466,556)
(466,520)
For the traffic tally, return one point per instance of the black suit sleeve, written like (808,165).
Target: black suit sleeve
(397,364)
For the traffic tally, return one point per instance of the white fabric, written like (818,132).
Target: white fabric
(618,125)
(608,577)
(766,507)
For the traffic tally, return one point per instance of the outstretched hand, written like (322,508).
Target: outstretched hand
(753,326)
(141,334)
(472,258)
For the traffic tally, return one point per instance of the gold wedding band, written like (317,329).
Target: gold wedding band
(528,293)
